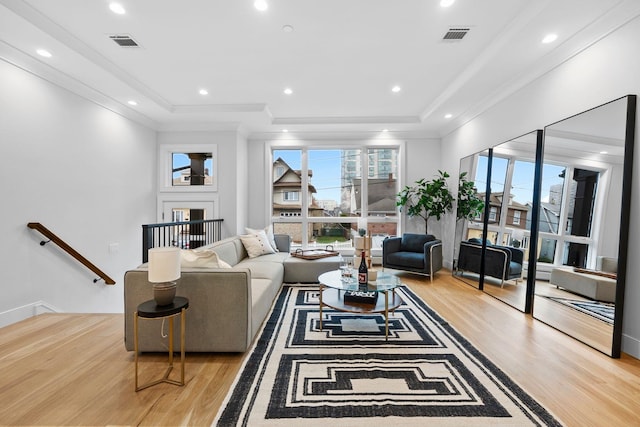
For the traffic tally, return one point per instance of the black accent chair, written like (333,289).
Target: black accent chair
(419,253)
(501,262)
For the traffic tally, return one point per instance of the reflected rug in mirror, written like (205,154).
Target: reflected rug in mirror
(347,374)
(600,310)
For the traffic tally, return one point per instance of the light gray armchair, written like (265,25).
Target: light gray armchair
(420,253)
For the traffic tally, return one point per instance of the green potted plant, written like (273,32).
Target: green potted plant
(470,206)
(427,199)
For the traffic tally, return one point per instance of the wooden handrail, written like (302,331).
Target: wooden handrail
(58,241)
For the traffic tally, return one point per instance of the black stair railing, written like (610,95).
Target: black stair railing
(184,234)
(68,249)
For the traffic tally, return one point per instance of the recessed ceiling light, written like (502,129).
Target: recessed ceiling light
(261,5)
(288,91)
(132,102)
(44,53)
(447,3)
(203,92)
(385,130)
(396,89)
(549,38)
(448,116)
(285,130)
(287,28)
(117,8)
(604,152)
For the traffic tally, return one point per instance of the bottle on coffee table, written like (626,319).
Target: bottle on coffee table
(363,272)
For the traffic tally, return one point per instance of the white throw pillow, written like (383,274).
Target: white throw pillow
(268,230)
(257,244)
(202,259)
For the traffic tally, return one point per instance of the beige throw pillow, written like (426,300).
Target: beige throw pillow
(268,230)
(257,244)
(202,259)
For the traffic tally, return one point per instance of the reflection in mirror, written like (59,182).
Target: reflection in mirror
(469,218)
(582,195)
(509,226)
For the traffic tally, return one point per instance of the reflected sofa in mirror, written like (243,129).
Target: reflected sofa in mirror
(469,224)
(583,224)
(509,227)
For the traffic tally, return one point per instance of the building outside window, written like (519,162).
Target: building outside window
(337,193)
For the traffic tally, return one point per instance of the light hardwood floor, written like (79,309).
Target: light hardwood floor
(72,369)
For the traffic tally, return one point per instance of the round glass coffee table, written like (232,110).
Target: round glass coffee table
(333,288)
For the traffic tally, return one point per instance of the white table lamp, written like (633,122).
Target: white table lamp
(164,268)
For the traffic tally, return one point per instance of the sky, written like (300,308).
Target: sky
(325,165)
(522,181)
(326,168)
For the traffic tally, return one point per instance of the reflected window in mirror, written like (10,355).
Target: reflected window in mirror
(569,200)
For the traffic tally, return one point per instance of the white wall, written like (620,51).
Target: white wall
(84,172)
(242,182)
(422,161)
(603,72)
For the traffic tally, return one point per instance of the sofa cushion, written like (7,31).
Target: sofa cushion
(257,244)
(415,242)
(478,241)
(203,259)
(229,250)
(408,259)
(263,292)
(268,230)
(607,264)
(263,270)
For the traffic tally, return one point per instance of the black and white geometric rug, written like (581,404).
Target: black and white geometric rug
(600,310)
(347,374)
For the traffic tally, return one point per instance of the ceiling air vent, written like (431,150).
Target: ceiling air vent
(455,34)
(124,40)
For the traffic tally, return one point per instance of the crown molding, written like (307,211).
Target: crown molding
(345,120)
(26,62)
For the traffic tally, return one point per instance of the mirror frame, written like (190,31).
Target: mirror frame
(625,215)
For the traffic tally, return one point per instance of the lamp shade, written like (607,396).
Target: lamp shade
(164,264)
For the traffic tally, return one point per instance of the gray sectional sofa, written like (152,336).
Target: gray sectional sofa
(226,305)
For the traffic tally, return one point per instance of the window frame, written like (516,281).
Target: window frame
(305,146)
(165,166)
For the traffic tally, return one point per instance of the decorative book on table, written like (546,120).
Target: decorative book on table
(363,296)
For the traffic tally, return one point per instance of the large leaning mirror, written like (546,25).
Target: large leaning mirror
(583,224)
(469,219)
(509,224)
(500,265)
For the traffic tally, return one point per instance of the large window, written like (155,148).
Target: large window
(329,192)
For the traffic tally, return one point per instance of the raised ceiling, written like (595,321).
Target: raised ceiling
(341,58)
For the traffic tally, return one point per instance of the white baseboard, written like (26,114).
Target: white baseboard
(631,346)
(26,311)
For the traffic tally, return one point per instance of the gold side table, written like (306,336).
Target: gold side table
(150,310)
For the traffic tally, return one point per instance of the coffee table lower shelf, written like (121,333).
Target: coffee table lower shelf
(387,302)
